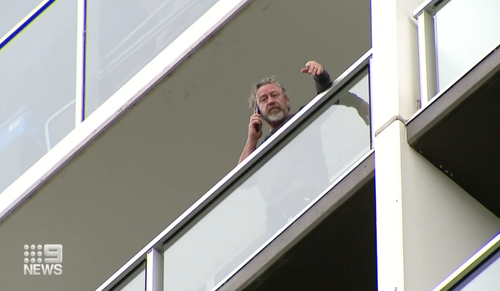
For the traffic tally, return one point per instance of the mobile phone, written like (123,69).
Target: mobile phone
(256,109)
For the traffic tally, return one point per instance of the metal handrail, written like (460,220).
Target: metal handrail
(23,23)
(239,171)
(429,6)
(470,265)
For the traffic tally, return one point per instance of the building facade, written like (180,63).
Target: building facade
(123,122)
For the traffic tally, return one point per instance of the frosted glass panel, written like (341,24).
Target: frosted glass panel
(136,281)
(123,36)
(37,85)
(13,11)
(466,31)
(282,187)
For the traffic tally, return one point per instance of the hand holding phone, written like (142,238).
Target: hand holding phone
(255,126)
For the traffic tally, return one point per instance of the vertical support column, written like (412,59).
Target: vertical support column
(80,63)
(385,102)
(154,271)
(427,226)
(427,57)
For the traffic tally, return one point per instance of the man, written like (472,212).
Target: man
(297,173)
(270,102)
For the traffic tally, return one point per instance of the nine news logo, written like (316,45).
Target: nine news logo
(43,259)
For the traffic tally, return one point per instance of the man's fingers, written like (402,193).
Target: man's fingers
(312,68)
(255,118)
(256,123)
(317,71)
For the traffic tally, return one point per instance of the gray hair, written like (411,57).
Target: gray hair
(269,80)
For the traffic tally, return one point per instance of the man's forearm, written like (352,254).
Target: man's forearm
(323,82)
(250,146)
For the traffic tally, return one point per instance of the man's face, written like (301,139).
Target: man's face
(272,103)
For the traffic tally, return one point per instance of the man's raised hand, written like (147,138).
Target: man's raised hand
(312,68)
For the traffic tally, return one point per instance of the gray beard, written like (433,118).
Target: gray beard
(273,117)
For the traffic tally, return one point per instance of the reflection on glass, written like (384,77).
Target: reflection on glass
(135,281)
(466,31)
(485,278)
(37,81)
(254,211)
(12,12)
(124,35)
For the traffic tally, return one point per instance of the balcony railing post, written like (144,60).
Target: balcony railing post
(427,58)
(154,271)
(80,62)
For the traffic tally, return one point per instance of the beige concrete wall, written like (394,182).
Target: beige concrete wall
(427,226)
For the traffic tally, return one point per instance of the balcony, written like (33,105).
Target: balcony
(117,174)
(456,128)
(301,196)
